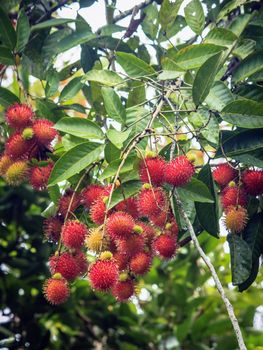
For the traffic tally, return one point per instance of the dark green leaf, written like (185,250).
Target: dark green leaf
(80,127)
(23,31)
(74,39)
(7,98)
(51,23)
(6,56)
(134,66)
(113,105)
(7,32)
(219,96)
(168,12)
(52,84)
(71,89)
(194,15)
(126,190)
(196,191)
(117,138)
(250,65)
(112,168)
(221,37)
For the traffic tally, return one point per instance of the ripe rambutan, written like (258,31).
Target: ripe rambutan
(129,206)
(140,263)
(90,194)
(94,240)
(253,182)
(224,173)
(120,225)
(131,245)
(17,147)
(69,202)
(103,274)
(233,196)
(44,131)
(52,228)
(159,220)
(179,171)
(172,228)
(82,262)
(236,219)
(73,234)
(153,168)
(5,162)
(97,211)
(16,173)
(39,176)
(123,290)
(56,290)
(148,232)
(165,246)
(151,202)
(65,264)
(122,260)
(19,115)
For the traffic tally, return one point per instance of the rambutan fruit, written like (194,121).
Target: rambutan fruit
(129,206)
(123,290)
(73,234)
(236,219)
(68,203)
(90,194)
(56,290)
(5,162)
(94,240)
(140,263)
(97,211)
(52,228)
(103,274)
(120,225)
(152,167)
(39,176)
(165,246)
(224,173)
(17,173)
(253,182)
(17,147)
(179,171)
(44,131)
(159,220)
(19,115)
(233,196)
(131,245)
(82,262)
(122,260)
(148,232)
(65,264)
(171,227)
(151,202)
(27,133)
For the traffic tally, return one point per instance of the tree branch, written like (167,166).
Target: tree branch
(210,266)
(130,11)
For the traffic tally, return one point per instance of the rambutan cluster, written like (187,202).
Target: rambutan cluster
(26,151)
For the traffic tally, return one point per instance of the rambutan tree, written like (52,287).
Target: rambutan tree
(143,140)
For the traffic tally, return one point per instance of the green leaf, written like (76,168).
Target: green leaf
(241,259)
(221,37)
(7,98)
(125,191)
(23,31)
(74,39)
(196,191)
(194,15)
(104,77)
(112,168)
(111,152)
(230,6)
(52,84)
(169,75)
(204,78)
(251,92)
(74,161)
(134,66)
(219,96)
(137,93)
(172,29)
(168,12)
(7,32)
(113,105)
(6,56)
(207,213)
(240,23)
(71,89)
(251,159)
(250,65)
(51,23)
(80,127)
(117,137)
(246,47)
(244,113)
(148,25)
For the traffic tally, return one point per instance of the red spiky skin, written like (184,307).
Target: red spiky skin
(140,263)
(123,290)
(107,190)
(56,291)
(253,182)
(39,176)
(67,204)
(52,228)
(82,263)
(174,229)
(90,194)
(129,206)
(103,274)
(65,264)
(44,131)
(148,232)
(224,173)
(233,196)
(17,147)
(122,260)
(179,171)
(120,225)
(73,234)
(131,245)
(155,167)
(165,246)
(151,202)
(159,220)
(97,211)
(19,116)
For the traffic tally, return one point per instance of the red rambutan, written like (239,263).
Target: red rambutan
(103,274)
(19,115)
(122,260)
(233,196)
(224,173)
(123,290)
(17,147)
(151,202)
(16,173)
(129,206)
(44,131)
(73,234)
(148,232)
(165,246)
(68,203)
(153,168)
(39,176)
(65,264)
(52,228)
(159,220)
(90,194)
(253,182)
(236,219)
(82,262)
(171,227)
(56,290)
(97,211)
(140,263)
(120,225)
(179,171)
(131,245)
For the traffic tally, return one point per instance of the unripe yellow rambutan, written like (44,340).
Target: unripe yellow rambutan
(5,162)
(16,173)
(107,255)
(94,240)
(236,219)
